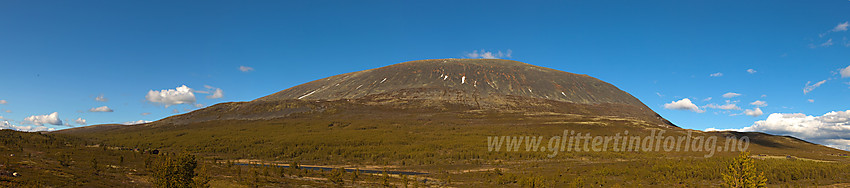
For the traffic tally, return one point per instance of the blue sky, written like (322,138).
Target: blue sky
(58,56)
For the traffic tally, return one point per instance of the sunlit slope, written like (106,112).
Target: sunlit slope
(412,106)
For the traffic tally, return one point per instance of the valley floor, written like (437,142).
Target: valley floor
(448,149)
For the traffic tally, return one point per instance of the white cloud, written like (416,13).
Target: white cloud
(827,43)
(483,54)
(751,71)
(754,112)
(684,104)
(759,103)
(3,102)
(175,111)
(809,86)
(731,94)
(707,99)
(101,109)
(831,129)
(216,93)
(246,69)
(838,28)
(8,125)
(146,113)
(198,105)
(841,27)
(845,72)
(179,95)
(811,100)
(101,98)
(719,74)
(715,129)
(136,122)
(39,120)
(724,107)
(80,121)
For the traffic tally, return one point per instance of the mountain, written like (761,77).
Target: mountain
(485,83)
(488,84)
(438,117)
(443,85)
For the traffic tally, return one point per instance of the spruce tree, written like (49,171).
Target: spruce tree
(742,172)
(174,170)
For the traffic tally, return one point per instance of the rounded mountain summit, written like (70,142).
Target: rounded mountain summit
(474,84)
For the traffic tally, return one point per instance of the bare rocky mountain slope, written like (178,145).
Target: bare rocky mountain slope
(443,85)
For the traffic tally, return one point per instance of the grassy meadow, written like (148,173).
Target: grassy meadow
(451,147)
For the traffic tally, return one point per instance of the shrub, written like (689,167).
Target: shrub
(336,176)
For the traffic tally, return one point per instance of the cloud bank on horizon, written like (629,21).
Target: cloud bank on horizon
(8,125)
(136,122)
(831,129)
